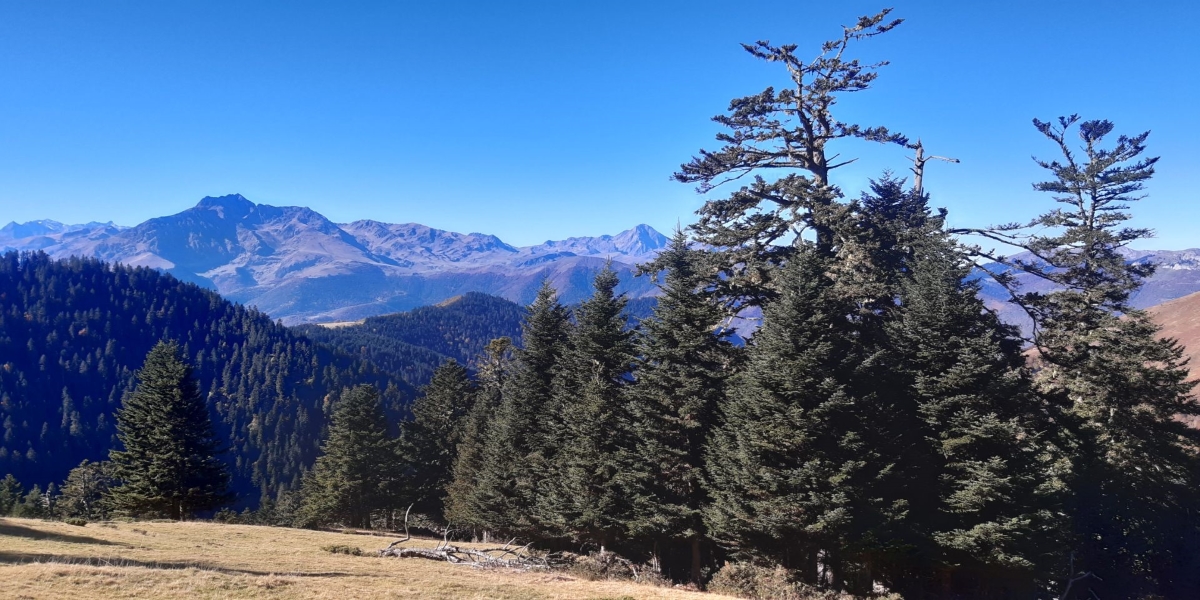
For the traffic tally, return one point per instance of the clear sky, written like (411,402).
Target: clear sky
(538,120)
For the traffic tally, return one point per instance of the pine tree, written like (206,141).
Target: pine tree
(783,131)
(11,491)
(169,465)
(358,466)
(584,496)
(430,440)
(465,508)
(85,492)
(517,445)
(684,362)
(796,471)
(33,505)
(1133,472)
(978,486)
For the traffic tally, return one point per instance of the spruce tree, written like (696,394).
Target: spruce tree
(1132,471)
(465,503)
(11,491)
(358,466)
(788,133)
(168,465)
(430,440)
(85,492)
(585,497)
(517,447)
(684,361)
(978,488)
(795,469)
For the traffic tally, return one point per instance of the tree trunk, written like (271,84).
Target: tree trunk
(696,563)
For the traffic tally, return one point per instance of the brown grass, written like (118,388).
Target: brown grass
(40,559)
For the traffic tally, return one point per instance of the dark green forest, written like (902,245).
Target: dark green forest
(412,344)
(74,332)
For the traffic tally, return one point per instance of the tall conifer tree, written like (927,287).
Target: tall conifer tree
(168,465)
(976,455)
(1133,468)
(684,362)
(358,467)
(517,446)
(465,503)
(796,474)
(585,498)
(430,440)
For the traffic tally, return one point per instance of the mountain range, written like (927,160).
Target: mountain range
(298,266)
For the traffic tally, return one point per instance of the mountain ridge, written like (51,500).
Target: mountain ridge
(299,266)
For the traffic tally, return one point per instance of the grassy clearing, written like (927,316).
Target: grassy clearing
(41,559)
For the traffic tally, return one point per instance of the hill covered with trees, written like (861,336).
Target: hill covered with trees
(73,332)
(412,344)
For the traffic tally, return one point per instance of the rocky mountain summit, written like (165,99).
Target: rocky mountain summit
(298,266)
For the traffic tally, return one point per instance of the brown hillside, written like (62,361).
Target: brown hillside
(1180,319)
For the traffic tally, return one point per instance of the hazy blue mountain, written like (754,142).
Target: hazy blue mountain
(1178,275)
(37,235)
(296,265)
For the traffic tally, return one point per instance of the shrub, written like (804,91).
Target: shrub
(343,549)
(76,521)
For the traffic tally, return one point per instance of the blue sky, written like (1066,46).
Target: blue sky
(537,120)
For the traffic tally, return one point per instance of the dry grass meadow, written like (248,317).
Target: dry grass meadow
(40,559)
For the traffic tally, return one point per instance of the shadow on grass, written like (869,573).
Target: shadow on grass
(8,528)
(17,558)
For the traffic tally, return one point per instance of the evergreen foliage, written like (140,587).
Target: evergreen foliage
(782,132)
(585,497)
(356,474)
(517,444)
(85,493)
(980,494)
(167,465)
(465,508)
(430,439)
(11,492)
(1132,468)
(684,362)
(74,331)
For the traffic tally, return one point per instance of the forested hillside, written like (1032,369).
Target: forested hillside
(73,333)
(413,344)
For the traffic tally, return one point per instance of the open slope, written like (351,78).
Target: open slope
(1180,319)
(41,559)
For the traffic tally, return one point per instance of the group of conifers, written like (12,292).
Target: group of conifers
(881,427)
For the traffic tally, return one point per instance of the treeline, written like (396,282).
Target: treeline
(881,430)
(73,333)
(412,344)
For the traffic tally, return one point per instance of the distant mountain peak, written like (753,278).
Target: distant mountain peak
(233,206)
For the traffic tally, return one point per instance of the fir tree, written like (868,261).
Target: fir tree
(10,494)
(33,506)
(169,465)
(783,131)
(430,440)
(681,374)
(1132,466)
(978,486)
(796,473)
(358,466)
(584,496)
(517,445)
(85,492)
(465,504)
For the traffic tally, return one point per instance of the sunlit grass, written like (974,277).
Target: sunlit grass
(194,560)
